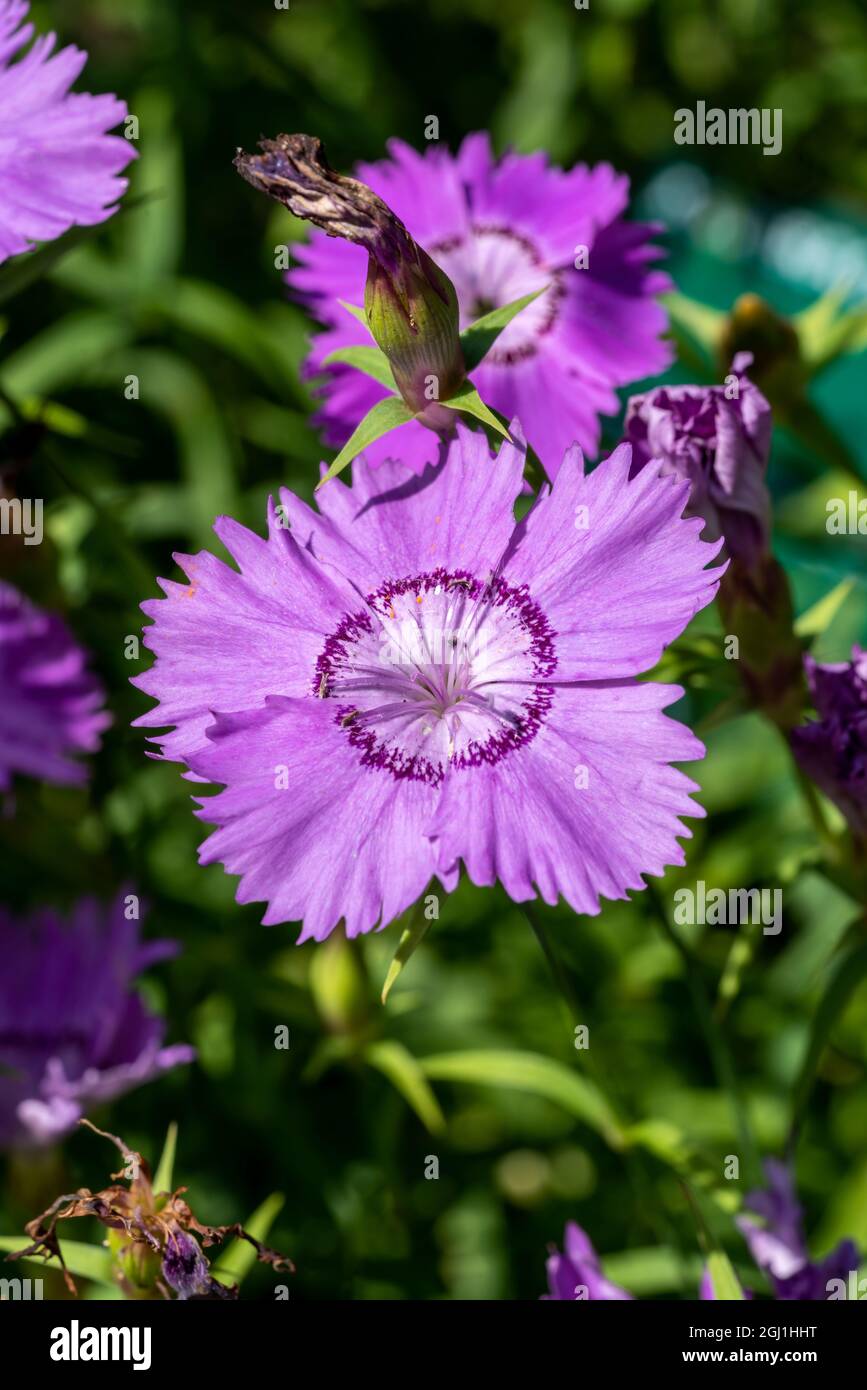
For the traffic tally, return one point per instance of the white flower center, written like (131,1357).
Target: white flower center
(493,267)
(439,669)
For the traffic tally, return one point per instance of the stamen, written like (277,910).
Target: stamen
(440,671)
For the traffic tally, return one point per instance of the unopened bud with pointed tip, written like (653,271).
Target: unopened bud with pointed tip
(754,326)
(411,304)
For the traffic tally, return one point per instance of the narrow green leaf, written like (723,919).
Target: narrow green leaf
(356,311)
(381,419)
(166,1165)
(86,1261)
(726,1287)
(236,1261)
(410,939)
(819,617)
(407,1076)
(468,400)
(480,337)
(525,1071)
(846,978)
(369,360)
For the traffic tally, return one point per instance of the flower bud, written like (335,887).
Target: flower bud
(717,438)
(756,606)
(754,327)
(411,304)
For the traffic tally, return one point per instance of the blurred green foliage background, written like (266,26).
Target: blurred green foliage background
(180,290)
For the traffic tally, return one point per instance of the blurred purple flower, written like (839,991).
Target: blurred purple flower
(778,1245)
(58,166)
(719,442)
(50,706)
(501,229)
(382,685)
(833,749)
(73,1033)
(576,1274)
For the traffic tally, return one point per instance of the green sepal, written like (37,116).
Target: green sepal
(356,311)
(469,402)
(410,940)
(369,360)
(384,417)
(480,337)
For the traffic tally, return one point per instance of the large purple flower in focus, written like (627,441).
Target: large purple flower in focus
(73,1031)
(833,749)
(778,1246)
(408,679)
(50,704)
(576,1274)
(501,229)
(718,438)
(58,166)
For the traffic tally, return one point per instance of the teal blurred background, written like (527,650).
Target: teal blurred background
(180,289)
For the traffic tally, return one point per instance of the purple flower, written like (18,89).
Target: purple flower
(186,1270)
(833,750)
(58,167)
(778,1245)
(719,442)
(50,705)
(501,229)
(576,1275)
(73,1033)
(408,679)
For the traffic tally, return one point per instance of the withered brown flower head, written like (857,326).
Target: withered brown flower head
(411,304)
(294,169)
(151,1235)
